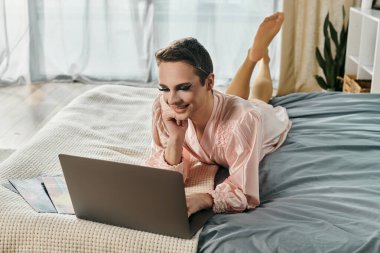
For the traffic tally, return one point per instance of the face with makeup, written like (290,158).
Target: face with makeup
(182,89)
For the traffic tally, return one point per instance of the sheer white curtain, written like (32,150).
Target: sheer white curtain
(112,40)
(91,40)
(14,42)
(85,40)
(226,28)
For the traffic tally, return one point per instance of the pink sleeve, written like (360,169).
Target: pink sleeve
(241,189)
(159,142)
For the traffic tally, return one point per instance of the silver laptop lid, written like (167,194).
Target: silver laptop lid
(126,195)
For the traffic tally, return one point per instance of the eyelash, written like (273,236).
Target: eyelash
(163,89)
(184,88)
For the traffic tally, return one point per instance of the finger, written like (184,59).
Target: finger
(190,211)
(168,113)
(168,116)
(188,205)
(185,123)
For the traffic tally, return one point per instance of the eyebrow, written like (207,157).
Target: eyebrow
(178,85)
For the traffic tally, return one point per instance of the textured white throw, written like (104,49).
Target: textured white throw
(109,122)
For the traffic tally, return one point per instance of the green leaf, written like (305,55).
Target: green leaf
(320,59)
(321,82)
(332,66)
(341,60)
(342,51)
(330,78)
(338,84)
(343,35)
(334,34)
(343,13)
(327,52)
(327,46)
(326,25)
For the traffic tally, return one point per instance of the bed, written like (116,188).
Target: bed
(320,192)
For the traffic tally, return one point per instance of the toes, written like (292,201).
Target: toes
(278,16)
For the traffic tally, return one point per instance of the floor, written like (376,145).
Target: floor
(26,109)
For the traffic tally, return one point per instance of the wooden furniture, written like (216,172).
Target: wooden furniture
(363,46)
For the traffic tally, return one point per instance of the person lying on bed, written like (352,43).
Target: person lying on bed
(193,121)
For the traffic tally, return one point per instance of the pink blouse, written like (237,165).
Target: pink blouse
(237,136)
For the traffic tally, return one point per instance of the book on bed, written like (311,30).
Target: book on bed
(34,193)
(58,193)
(45,194)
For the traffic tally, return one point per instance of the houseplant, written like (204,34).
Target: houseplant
(332,65)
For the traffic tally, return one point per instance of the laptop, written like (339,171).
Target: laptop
(132,196)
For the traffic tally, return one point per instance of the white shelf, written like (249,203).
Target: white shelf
(354,58)
(363,46)
(369,69)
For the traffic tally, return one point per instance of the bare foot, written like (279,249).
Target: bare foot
(264,35)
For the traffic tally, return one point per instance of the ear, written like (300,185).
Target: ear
(210,81)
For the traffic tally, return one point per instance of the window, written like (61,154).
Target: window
(225,27)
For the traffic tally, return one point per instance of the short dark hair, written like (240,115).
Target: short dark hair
(188,50)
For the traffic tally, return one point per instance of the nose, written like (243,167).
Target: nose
(173,98)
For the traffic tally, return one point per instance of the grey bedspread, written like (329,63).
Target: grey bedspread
(320,192)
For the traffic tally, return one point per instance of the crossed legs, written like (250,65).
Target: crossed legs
(262,85)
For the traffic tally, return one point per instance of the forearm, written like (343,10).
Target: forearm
(208,200)
(198,201)
(173,152)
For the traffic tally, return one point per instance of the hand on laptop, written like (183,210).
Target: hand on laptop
(198,201)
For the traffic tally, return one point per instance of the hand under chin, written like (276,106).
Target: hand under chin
(182,116)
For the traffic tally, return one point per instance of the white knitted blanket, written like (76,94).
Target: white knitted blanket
(109,122)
